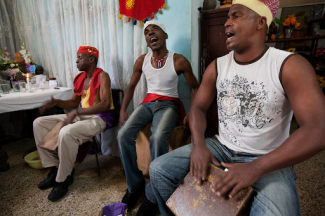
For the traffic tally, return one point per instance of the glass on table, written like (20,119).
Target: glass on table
(1,82)
(15,86)
(33,87)
(43,85)
(22,86)
(5,88)
(5,82)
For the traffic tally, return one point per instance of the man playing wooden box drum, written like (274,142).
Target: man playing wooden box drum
(93,92)
(258,89)
(162,69)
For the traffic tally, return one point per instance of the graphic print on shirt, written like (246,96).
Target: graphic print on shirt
(243,102)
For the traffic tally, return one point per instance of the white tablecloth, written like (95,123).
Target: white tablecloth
(15,101)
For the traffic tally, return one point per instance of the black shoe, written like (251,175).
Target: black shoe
(50,180)
(130,199)
(147,208)
(60,189)
(4,167)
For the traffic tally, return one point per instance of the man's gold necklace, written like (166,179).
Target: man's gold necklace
(85,91)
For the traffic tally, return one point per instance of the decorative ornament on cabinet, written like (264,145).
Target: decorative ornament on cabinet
(209,4)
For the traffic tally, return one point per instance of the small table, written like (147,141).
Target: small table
(15,101)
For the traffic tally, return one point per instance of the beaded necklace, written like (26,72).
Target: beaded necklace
(85,91)
(159,61)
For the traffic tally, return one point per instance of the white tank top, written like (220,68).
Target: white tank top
(162,81)
(254,113)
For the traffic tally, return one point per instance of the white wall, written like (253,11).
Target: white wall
(196,37)
(177,19)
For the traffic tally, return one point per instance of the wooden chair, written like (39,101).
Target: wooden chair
(117,95)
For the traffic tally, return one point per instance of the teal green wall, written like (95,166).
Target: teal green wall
(177,19)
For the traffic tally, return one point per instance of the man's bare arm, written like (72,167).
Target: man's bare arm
(182,65)
(137,71)
(201,155)
(65,104)
(69,104)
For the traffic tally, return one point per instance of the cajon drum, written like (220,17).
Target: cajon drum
(175,139)
(190,199)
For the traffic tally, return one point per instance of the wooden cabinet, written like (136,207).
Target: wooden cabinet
(213,37)
(314,44)
(310,40)
(213,45)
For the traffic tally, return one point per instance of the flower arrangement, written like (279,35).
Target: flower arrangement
(22,62)
(25,53)
(320,51)
(321,81)
(290,21)
(319,59)
(6,54)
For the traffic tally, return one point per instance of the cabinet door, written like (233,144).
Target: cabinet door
(213,45)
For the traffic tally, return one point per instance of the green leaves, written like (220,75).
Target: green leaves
(22,68)
(281,21)
(5,65)
(302,17)
(278,21)
(22,43)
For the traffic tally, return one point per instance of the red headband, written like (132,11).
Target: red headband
(88,50)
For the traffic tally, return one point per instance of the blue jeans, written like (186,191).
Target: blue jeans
(276,192)
(164,116)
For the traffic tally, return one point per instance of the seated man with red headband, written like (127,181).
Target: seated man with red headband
(92,90)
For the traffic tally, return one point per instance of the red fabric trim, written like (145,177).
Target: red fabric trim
(79,82)
(152,97)
(140,9)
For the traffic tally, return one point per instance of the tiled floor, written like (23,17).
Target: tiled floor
(89,192)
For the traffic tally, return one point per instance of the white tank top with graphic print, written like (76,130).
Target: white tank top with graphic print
(254,112)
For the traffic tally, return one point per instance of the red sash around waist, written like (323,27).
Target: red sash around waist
(152,97)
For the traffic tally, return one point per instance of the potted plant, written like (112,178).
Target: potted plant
(20,65)
(290,23)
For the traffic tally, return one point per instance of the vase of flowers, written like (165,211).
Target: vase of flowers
(288,32)
(21,63)
(290,23)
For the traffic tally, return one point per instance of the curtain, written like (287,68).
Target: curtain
(8,32)
(53,30)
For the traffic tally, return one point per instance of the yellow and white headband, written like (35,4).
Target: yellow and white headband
(266,8)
